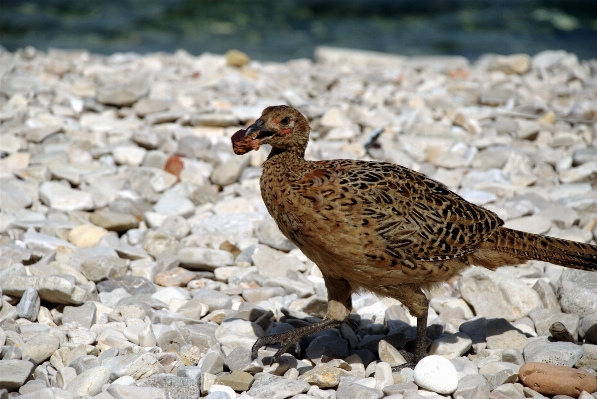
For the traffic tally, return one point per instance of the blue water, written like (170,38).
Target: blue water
(285,29)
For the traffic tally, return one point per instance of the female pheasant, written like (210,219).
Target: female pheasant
(380,227)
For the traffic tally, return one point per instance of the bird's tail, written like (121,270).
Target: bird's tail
(529,246)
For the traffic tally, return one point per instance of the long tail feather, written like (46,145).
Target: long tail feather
(529,246)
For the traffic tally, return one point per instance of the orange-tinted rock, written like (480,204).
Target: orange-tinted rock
(556,380)
(174,165)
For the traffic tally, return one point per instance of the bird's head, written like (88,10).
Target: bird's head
(280,126)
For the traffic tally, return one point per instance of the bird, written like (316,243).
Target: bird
(380,227)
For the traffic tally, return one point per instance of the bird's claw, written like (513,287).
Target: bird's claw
(286,341)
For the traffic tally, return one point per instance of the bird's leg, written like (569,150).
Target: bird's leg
(418,305)
(339,306)
(421,340)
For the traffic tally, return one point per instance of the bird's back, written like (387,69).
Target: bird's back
(373,218)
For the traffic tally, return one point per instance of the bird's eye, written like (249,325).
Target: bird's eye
(285,121)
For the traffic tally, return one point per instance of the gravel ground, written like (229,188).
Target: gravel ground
(137,259)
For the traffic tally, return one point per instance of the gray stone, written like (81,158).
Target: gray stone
(14,373)
(40,347)
(237,332)
(147,337)
(174,205)
(200,335)
(510,391)
(240,360)
(586,172)
(215,300)
(498,373)
(238,380)
(513,356)
(89,382)
(175,387)
(212,363)
(122,95)
(302,290)
(588,328)
(46,393)
(84,315)
(50,289)
(114,221)
(138,366)
(472,387)
(494,295)
(268,386)
(100,268)
(217,395)
(351,390)
(464,367)
(402,388)
(269,234)
(135,392)
(576,291)
(547,295)
(61,197)
(228,172)
(176,226)
(558,353)
(503,335)
(271,262)
(204,258)
(28,306)
(256,295)
(32,386)
(134,285)
(451,345)
(84,363)
(112,298)
(43,244)
(13,198)
(389,354)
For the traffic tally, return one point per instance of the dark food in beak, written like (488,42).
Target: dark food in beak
(244,141)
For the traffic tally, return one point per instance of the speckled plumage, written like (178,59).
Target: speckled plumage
(383,227)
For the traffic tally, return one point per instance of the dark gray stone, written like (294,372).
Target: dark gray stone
(28,306)
(329,346)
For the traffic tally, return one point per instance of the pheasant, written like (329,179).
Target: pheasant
(380,227)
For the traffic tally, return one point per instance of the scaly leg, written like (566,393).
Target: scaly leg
(416,302)
(339,306)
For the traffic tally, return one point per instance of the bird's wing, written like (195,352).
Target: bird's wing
(409,213)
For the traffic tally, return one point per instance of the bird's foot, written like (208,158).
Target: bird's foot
(291,338)
(411,360)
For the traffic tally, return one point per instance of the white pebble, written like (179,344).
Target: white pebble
(436,374)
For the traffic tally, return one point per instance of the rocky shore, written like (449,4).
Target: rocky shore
(137,259)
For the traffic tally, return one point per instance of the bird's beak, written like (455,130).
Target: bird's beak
(244,141)
(255,127)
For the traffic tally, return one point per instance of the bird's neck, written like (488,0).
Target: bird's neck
(292,158)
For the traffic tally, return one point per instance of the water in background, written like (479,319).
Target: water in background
(284,29)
